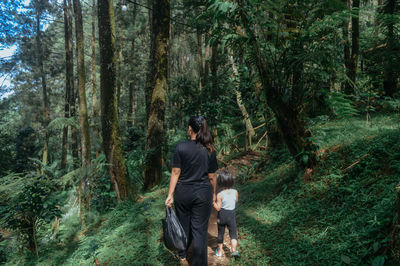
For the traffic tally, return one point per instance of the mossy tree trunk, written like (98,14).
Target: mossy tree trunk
(108,102)
(297,137)
(151,68)
(206,58)
(42,77)
(200,54)
(86,152)
(155,129)
(132,92)
(389,82)
(83,115)
(95,105)
(355,48)
(120,42)
(214,66)
(69,75)
(346,44)
(246,117)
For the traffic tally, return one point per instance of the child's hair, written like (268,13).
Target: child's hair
(225,180)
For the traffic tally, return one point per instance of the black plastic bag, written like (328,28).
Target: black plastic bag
(174,236)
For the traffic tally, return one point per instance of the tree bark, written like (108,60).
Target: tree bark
(69,75)
(249,126)
(200,54)
(108,101)
(120,27)
(42,75)
(151,68)
(292,127)
(83,115)
(95,105)
(155,129)
(206,59)
(389,82)
(214,66)
(355,47)
(132,92)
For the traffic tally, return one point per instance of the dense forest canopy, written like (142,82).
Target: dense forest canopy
(95,95)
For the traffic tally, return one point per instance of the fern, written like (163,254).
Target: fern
(61,122)
(341,106)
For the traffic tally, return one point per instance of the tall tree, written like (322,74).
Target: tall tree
(69,75)
(108,102)
(95,104)
(83,114)
(151,68)
(154,136)
(355,47)
(132,92)
(39,9)
(391,60)
(287,108)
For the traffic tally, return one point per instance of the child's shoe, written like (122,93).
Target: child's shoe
(235,254)
(219,255)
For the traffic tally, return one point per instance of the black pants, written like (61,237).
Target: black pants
(226,218)
(193,204)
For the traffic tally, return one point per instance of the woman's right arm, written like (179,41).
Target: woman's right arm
(175,173)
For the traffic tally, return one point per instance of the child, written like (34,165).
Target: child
(225,205)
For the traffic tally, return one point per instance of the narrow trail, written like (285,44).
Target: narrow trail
(234,168)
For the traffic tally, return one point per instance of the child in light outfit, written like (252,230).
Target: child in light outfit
(226,205)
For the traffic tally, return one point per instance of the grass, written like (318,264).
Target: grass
(341,216)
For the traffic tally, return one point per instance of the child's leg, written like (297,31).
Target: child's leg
(233,232)
(234,244)
(221,232)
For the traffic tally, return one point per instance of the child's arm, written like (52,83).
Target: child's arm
(237,196)
(217,205)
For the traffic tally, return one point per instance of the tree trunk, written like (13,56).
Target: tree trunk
(83,116)
(214,66)
(389,82)
(69,75)
(132,92)
(206,60)
(151,68)
(296,136)
(95,104)
(86,154)
(42,75)
(108,101)
(249,126)
(355,47)
(200,54)
(346,50)
(155,129)
(120,27)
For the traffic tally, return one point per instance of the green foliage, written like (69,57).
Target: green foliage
(26,145)
(100,191)
(341,216)
(341,105)
(26,202)
(60,122)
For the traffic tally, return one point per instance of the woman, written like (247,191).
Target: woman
(194,164)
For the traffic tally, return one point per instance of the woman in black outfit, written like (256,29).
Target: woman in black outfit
(193,180)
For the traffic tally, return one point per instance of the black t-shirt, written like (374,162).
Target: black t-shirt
(195,162)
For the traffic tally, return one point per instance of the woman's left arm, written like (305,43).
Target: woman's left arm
(175,173)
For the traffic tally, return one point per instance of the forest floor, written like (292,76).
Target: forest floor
(341,215)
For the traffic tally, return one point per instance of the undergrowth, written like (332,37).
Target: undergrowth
(341,215)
